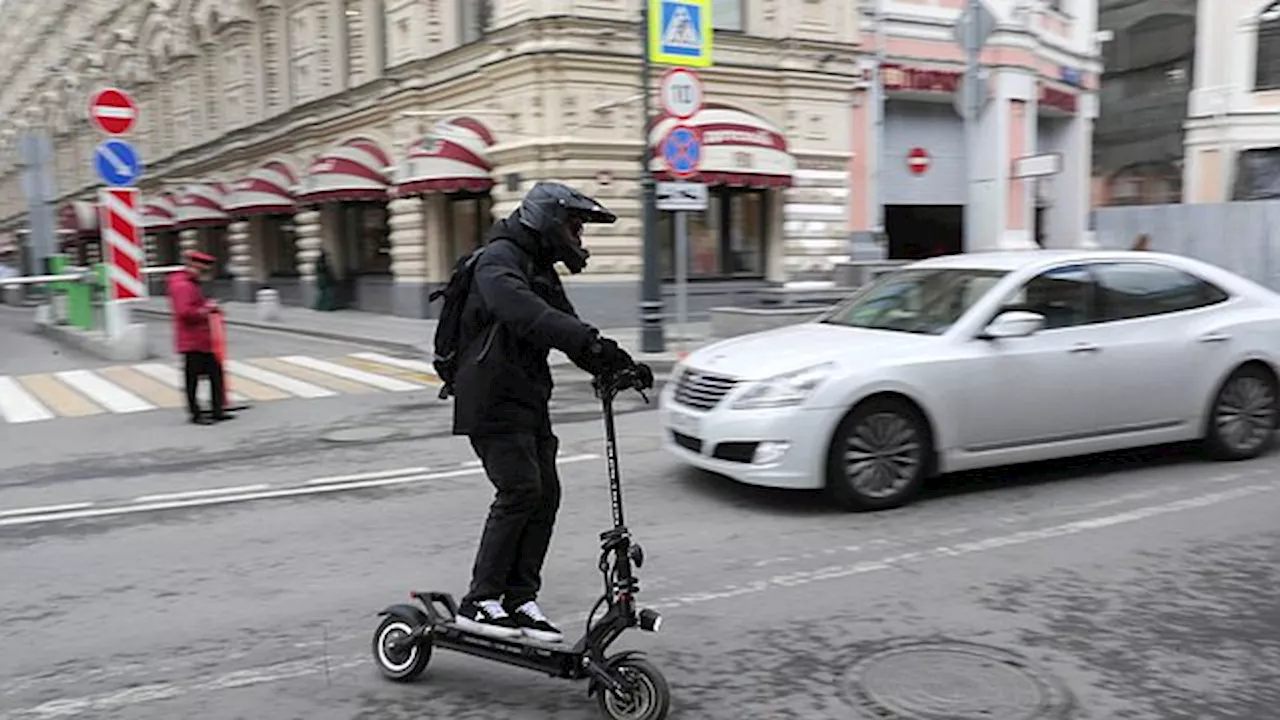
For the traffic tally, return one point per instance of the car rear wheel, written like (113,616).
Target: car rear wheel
(879,456)
(1242,419)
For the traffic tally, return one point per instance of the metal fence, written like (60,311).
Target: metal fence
(1243,237)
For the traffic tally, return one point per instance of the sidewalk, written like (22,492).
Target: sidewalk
(411,336)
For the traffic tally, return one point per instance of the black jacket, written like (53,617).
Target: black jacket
(516,312)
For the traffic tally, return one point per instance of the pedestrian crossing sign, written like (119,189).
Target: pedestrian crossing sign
(680,32)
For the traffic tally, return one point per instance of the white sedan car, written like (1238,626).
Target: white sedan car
(981,360)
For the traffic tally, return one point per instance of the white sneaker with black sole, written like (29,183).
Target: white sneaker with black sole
(535,625)
(487,617)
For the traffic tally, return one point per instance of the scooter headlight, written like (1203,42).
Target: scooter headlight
(637,555)
(650,620)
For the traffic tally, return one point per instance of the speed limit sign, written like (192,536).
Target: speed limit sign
(681,93)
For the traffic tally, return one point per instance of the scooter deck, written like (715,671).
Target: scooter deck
(448,626)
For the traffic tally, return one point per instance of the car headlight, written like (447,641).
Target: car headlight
(786,389)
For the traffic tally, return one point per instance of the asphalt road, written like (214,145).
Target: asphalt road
(1136,586)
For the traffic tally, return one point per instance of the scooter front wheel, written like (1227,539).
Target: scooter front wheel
(399,663)
(650,697)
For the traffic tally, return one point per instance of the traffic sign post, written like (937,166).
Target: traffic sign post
(113,111)
(974,28)
(681,93)
(682,150)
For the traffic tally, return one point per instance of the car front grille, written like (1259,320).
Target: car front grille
(702,390)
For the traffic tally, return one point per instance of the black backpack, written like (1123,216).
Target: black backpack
(449,324)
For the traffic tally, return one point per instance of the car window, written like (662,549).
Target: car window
(1064,296)
(1134,290)
(926,301)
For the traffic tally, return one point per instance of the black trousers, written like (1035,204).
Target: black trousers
(201,364)
(522,468)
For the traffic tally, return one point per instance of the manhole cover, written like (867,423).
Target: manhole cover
(954,681)
(360,434)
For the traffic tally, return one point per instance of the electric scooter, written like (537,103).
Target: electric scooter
(627,686)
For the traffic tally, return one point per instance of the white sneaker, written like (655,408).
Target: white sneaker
(486,617)
(535,625)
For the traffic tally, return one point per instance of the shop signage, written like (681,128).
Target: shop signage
(1058,99)
(897,78)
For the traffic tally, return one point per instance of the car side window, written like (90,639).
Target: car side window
(1136,290)
(1064,296)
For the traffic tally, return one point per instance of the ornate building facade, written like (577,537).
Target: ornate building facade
(369,143)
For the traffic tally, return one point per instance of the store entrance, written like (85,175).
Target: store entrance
(921,231)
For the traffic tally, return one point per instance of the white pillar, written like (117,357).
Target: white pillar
(307,224)
(409,263)
(188,240)
(240,264)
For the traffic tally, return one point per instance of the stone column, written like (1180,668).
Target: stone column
(307,224)
(408,258)
(241,264)
(188,240)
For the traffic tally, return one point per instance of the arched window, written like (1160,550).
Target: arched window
(1267,76)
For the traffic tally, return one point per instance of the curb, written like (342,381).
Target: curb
(659,365)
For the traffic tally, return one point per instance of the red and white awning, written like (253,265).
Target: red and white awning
(267,190)
(78,219)
(739,148)
(201,205)
(159,212)
(452,157)
(355,170)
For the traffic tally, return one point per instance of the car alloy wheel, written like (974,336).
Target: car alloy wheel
(1244,416)
(882,455)
(879,455)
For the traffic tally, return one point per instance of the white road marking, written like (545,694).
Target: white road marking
(403,363)
(278,381)
(1077,527)
(141,507)
(350,373)
(374,475)
(201,493)
(105,393)
(19,406)
(173,378)
(97,704)
(45,509)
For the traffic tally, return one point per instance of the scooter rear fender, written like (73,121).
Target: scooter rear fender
(409,613)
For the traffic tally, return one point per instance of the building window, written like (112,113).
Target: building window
(727,240)
(1267,75)
(474,15)
(728,15)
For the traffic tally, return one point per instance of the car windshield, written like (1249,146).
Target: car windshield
(924,301)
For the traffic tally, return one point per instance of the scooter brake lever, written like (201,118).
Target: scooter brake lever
(643,397)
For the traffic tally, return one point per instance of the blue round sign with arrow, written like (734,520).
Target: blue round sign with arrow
(682,151)
(117,163)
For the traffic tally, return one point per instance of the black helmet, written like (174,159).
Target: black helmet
(557,212)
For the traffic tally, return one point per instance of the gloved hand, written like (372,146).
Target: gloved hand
(644,376)
(606,357)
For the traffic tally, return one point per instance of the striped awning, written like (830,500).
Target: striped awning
(200,205)
(739,148)
(355,170)
(267,190)
(159,212)
(451,157)
(78,218)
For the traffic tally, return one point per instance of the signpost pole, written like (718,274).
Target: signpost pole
(682,275)
(651,331)
(972,106)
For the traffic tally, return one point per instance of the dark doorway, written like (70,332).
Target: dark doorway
(921,231)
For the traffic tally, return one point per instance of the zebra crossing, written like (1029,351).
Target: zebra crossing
(143,387)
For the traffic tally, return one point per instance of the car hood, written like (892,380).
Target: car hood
(772,352)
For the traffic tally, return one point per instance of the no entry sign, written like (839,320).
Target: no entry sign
(113,111)
(918,161)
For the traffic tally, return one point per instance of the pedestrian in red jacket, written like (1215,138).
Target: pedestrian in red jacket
(192,336)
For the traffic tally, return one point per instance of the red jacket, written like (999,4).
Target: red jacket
(191,331)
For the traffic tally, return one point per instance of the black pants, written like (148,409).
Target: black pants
(203,364)
(522,467)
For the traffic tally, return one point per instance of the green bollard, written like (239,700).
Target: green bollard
(58,290)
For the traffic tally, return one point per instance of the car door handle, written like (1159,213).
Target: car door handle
(1214,338)
(1084,348)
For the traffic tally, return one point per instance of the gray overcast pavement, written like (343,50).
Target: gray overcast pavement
(1137,588)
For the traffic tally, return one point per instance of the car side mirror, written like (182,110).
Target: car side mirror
(1013,324)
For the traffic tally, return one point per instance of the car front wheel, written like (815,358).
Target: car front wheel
(879,456)
(1242,419)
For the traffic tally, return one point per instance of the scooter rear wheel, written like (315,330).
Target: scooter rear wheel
(650,695)
(399,664)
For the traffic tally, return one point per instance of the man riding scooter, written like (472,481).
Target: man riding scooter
(516,312)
